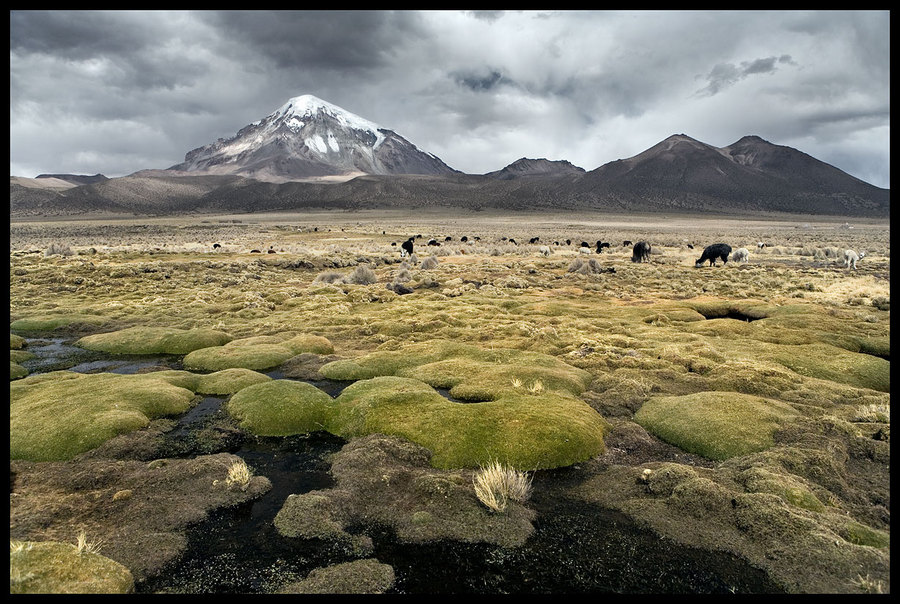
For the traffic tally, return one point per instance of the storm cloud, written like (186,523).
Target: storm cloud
(119,91)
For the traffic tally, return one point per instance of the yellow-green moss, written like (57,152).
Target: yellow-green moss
(57,415)
(522,430)
(52,322)
(49,567)
(16,342)
(16,371)
(827,362)
(154,340)
(716,425)
(280,408)
(257,352)
(471,372)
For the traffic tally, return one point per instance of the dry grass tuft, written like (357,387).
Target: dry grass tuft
(239,473)
(497,484)
(83,546)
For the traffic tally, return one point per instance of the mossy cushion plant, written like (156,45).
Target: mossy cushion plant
(57,415)
(257,352)
(154,340)
(50,567)
(224,382)
(716,425)
(472,373)
(51,322)
(280,408)
(523,430)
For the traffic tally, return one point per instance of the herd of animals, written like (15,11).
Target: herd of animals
(640,250)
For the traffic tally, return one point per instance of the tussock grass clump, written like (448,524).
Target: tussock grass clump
(49,567)
(496,484)
(362,275)
(58,249)
(716,425)
(873,413)
(239,474)
(154,340)
(429,263)
(57,415)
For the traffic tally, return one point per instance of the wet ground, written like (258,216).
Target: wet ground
(575,548)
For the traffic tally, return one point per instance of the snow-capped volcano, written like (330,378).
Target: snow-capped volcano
(308,137)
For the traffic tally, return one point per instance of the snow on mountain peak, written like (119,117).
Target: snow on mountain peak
(307,106)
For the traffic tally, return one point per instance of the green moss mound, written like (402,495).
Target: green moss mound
(227,381)
(49,567)
(57,415)
(52,322)
(368,576)
(470,372)
(716,425)
(257,352)
(280,408)
(827,362)
(16,371)
(16,342)
(525,431)
(154,340)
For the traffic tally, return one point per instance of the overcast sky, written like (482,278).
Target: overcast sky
(116,92)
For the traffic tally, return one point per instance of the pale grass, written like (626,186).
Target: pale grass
(873,413)
(868,585)
(17,547)
(83,546)
(239,474)
(497,484)
(536,388)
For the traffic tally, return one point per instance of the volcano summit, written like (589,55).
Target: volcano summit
(306,138)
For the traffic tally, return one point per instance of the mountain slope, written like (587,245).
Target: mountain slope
(751,175)
(308,137)
(535,167)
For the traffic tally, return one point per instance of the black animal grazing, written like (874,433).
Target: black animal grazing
(433,242)
(216,246)
(448,238)
(512,241)
(626,243)
(464,238)
(690,246)
(407,248)
(601,245)
(534,240)
(711,252)
(584,244)
(568,242)
(640,252)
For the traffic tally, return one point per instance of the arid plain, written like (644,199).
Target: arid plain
(744,408)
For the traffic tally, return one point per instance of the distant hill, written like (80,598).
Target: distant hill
(75,179)
(535,167)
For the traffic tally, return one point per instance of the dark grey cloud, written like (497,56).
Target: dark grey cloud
(724,75)
(119,91)
(346,41)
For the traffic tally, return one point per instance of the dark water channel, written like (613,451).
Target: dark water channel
(575,548)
